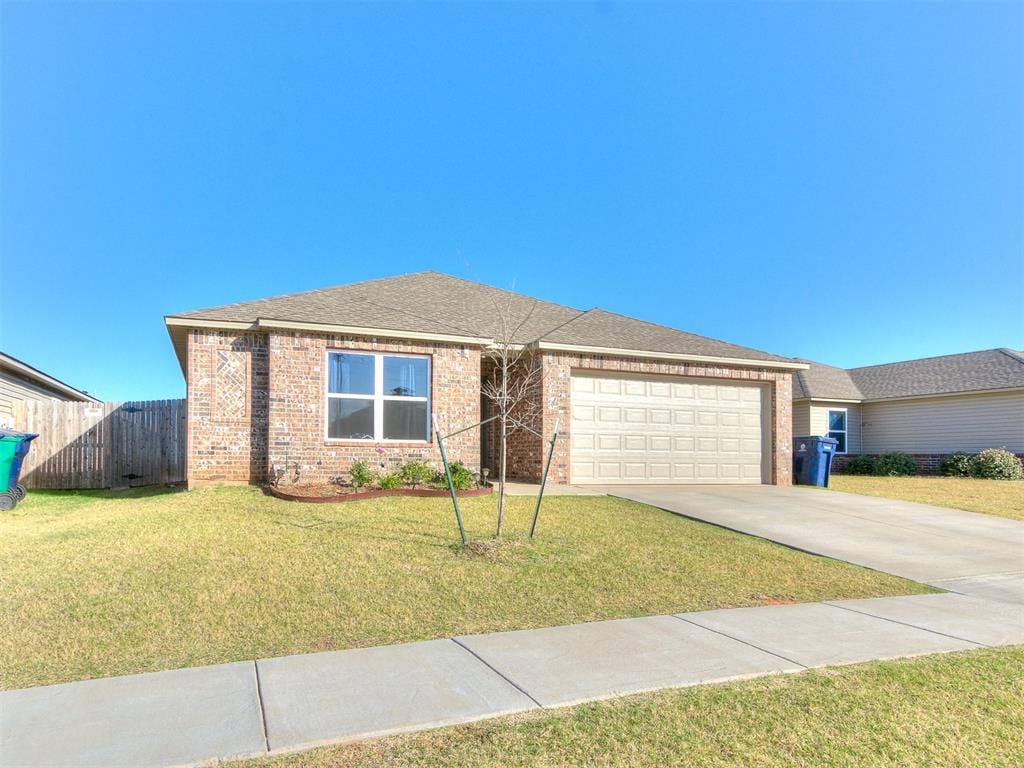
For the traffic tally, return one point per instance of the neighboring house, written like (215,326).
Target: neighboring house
(20,382)
(927,408)
(299,386)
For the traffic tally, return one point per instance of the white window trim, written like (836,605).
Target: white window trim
(378,397)
(846,423)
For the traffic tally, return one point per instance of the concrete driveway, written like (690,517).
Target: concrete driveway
(963,552)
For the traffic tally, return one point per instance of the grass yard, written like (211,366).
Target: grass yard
(1004,498)
(946,711)
(99,583)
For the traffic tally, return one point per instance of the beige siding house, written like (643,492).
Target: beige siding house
(20,382)
(927,408)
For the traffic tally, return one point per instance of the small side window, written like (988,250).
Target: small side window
(837,429)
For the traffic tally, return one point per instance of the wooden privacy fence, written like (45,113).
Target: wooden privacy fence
(109,445)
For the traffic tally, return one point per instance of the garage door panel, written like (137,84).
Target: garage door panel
(631,429)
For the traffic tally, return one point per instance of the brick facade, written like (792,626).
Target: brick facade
(256,407)
(527,452)
(226,384)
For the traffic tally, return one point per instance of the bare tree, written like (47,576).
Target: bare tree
(513,387)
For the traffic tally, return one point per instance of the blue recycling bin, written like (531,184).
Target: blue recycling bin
(812,459)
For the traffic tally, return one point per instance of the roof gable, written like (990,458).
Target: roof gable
(431,302)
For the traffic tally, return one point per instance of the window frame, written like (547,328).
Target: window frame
(845,432)
(378,398)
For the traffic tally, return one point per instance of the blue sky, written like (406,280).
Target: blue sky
(843,182)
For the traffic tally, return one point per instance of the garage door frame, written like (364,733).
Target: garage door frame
(764,387)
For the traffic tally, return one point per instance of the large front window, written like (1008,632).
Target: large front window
(377,397)
(837,429)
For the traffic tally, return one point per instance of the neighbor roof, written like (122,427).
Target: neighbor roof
(989,369)
(435,303)
(44,380)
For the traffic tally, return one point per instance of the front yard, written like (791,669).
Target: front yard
(947,711)
(1004,498)
(98,583)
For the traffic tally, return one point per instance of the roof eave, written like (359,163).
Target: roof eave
(549,346)
(45,379)
(960,393)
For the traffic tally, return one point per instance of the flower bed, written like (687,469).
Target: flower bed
(325,494)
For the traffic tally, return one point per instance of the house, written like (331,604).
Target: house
(20,382)
(927,408)
(299,386)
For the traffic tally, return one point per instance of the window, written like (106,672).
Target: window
(378,397)
(837,429)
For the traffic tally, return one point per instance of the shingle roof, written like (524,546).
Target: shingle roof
(967,372)
(431,302)
(598,328)
(988,369)
(824,381)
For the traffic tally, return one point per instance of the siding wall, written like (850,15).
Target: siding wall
(15,390)
(801,419)
(945,424)
(818,416)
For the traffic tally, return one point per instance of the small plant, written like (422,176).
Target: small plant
(955,465)
(895,465)
(360,474)
(860,465)
(416,473)
(390,481)
(996,464)
(462,476)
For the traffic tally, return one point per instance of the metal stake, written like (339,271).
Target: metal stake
(451,485)
(544,480)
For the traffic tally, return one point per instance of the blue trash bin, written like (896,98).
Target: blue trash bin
(812,459)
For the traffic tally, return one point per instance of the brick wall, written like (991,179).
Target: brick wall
(226,382)
(555,395)
(297,383)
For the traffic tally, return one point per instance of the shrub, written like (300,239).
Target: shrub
(955,465)
(415,473)
(361,474)
(462,476)
(996,464)
(390,481)
(895,465)
(860,465)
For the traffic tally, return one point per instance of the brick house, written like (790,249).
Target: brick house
(928,408)
(299,386)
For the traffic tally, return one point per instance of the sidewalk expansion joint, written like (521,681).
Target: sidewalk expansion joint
(912,626)
(496,671)
(263,709)
(738,640)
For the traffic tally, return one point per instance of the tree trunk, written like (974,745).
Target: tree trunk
(501,475)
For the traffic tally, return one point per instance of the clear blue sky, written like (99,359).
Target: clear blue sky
(843,182)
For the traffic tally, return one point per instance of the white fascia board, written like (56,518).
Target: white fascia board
(42,378)
(548,346)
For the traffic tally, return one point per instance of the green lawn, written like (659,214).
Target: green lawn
(945,711)
(100,583)
(1004,498)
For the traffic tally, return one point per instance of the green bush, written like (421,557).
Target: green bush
(860,465)
(390,481)
(955,465)
(416,473)
(361,474)
(895,465)
(996,464)
(462,476)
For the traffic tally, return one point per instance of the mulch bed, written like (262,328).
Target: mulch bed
(328,493)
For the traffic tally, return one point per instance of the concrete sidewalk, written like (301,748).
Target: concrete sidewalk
(244,709)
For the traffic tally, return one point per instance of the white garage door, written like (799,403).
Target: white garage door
(666,430)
